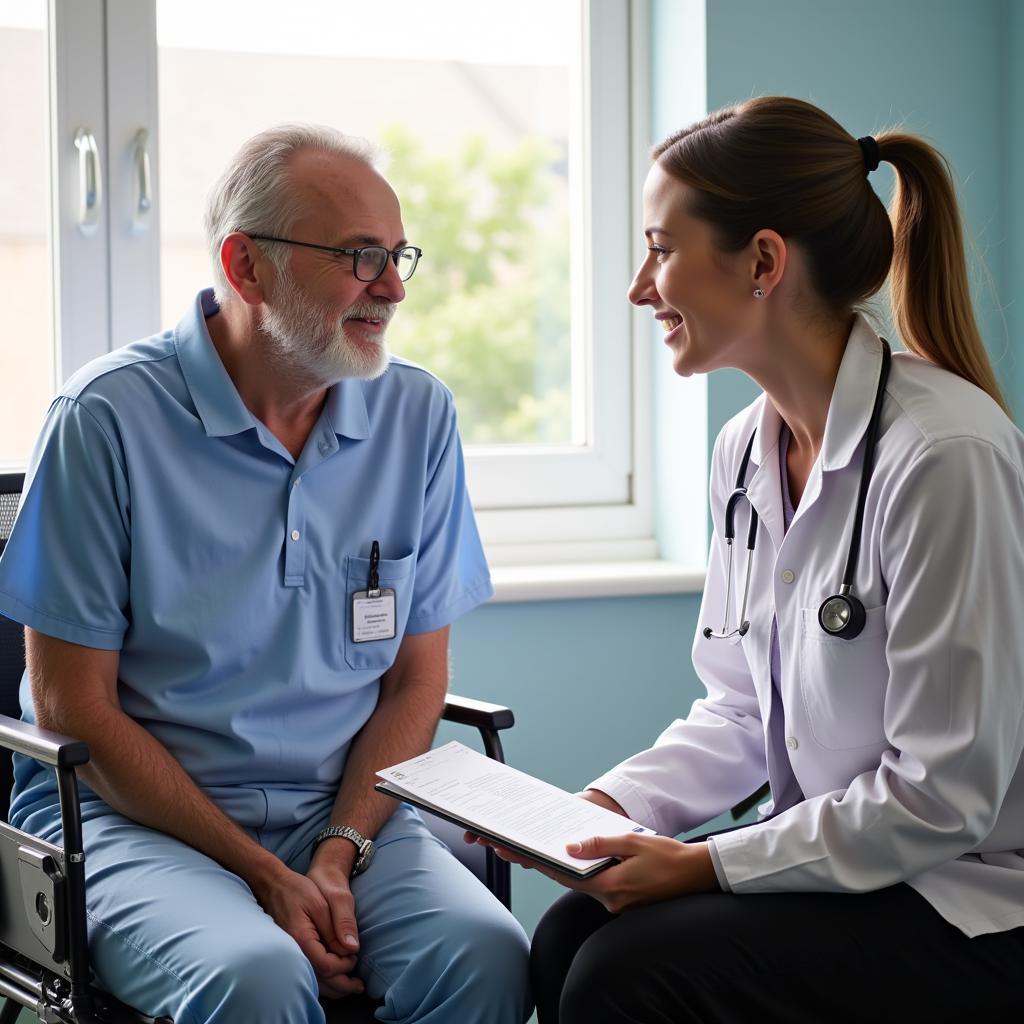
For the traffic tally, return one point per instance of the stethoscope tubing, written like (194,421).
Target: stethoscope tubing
(867,468)
(853,609)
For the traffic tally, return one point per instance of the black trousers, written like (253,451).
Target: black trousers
(777,958)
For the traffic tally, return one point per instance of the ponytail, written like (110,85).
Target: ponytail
(931,298)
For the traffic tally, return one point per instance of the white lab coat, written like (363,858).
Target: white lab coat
(905,742)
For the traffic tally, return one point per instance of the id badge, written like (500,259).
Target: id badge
(373,615)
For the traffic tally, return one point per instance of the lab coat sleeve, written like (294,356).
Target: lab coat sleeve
(952,555)
(706,763)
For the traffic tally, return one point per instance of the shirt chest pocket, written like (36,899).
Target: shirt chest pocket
(843,682)
(394,574)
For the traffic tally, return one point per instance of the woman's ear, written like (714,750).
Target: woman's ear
(767,261)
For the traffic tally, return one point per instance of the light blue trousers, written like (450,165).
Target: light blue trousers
(172,932)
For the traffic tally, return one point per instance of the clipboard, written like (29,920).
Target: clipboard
(579,873)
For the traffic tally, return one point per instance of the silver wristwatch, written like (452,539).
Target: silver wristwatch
(364,847)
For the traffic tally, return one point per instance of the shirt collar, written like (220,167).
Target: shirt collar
(849,411)
(217,401)
(346,410)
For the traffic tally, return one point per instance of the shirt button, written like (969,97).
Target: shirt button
(792,742)
(296,535)
(324,446)
(788,576)
(295,483)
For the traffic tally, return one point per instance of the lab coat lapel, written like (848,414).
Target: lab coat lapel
(764,485)
(849,412)
(852,398)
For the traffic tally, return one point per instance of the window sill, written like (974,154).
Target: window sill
(597,579)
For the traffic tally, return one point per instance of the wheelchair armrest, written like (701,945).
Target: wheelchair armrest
(50,748)
(63,754)
(484,717)
(477,713)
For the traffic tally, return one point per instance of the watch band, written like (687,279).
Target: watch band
(364,847)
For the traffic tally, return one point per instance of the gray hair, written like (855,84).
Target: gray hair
(253,194)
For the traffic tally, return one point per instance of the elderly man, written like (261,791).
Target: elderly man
(240,548)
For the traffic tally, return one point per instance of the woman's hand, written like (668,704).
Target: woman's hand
(652,868)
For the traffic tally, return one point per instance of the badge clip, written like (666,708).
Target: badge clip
(374,610)
(373,584)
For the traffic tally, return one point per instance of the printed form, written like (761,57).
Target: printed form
(502,803)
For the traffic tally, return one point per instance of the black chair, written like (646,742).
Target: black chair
(44,955)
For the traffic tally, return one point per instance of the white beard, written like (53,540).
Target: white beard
(311,348)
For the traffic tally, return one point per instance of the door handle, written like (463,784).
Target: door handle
(90,182)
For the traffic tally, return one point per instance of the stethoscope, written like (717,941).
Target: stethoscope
(841,615)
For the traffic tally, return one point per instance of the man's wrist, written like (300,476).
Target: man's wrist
(265,871)
(354,840)
(337,852)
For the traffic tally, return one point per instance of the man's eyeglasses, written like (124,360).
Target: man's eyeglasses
(368,262)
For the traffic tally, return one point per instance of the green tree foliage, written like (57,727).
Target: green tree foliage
(488,307)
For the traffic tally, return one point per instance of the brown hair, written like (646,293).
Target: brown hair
(781,163)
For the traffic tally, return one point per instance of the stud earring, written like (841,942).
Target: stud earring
(758,293)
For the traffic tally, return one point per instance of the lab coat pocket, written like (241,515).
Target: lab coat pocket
(395,574)
(843,682)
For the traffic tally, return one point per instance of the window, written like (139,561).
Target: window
(511,149)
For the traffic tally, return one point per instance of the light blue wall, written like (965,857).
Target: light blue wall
(592,681)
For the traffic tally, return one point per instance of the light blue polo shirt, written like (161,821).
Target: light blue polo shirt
(162,519)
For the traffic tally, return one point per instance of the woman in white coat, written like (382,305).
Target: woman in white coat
(886,880)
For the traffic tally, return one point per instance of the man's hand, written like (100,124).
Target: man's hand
(331,877)
(299,905)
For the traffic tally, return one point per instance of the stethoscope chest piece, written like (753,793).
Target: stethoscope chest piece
(842,615)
